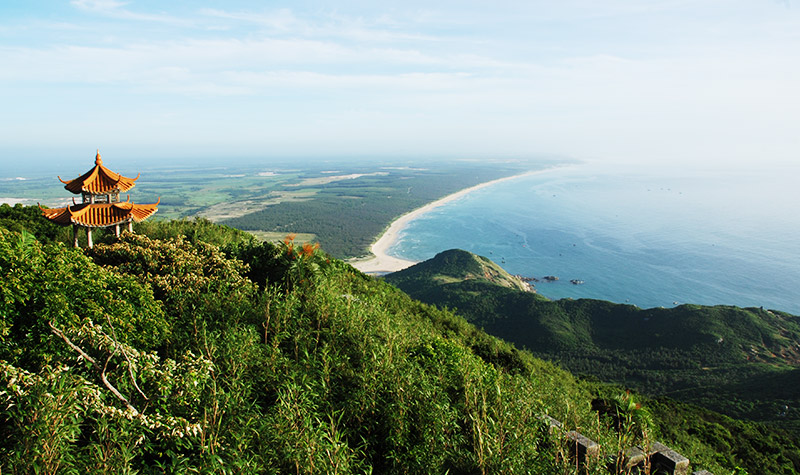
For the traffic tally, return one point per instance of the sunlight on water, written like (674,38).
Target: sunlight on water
(650,238)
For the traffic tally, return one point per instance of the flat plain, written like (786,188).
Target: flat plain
(344,206)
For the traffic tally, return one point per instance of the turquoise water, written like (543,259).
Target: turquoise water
(647,238)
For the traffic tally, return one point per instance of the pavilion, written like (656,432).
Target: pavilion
(100,206)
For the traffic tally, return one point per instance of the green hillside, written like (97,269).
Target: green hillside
(205,351)
(743,362)
(454,266)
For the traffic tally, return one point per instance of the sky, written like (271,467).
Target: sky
(679,82)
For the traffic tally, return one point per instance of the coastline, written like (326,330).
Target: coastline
(382,263)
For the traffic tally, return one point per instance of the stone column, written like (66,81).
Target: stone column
(89,237)
(75,229)
(582,447)
(130,226)
(116,230)
(668,460)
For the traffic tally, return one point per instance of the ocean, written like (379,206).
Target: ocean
(645,237)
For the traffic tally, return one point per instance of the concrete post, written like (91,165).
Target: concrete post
(582,446)
(634,456)
(668,460)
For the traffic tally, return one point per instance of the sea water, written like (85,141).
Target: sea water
(645,237)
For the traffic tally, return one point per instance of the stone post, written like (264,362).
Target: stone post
(635,456)
(582,446)
(668,460)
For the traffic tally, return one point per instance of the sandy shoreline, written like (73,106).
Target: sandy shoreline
(381,262)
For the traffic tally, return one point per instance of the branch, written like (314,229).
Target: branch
(130,363)
(102,371)
(75,347)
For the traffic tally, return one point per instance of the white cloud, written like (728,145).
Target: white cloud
(98,5)
(383,29)
(584,78)
(280,20)
(115,9)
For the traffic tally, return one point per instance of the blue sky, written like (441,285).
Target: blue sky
(707,82)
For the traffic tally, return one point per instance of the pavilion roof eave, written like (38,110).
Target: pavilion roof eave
(100,215)
(139,220)
(99,181)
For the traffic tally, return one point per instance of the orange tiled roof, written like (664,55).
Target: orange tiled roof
(99,180)
(100,215)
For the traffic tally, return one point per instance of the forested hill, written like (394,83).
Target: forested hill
(743,362)
(193,348)
(454,266)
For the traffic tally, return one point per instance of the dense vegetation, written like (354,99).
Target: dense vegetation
(346,215)
(211,352)
(742,362)
(28,219)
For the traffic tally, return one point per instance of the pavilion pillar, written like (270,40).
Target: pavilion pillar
(89,237)
(130,226)
(75,229)
(116,230)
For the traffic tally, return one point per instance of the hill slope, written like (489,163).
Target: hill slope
(454,266)
(170,356)
(175,355)
(730,359)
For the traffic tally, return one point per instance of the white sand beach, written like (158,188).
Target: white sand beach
(381,262)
